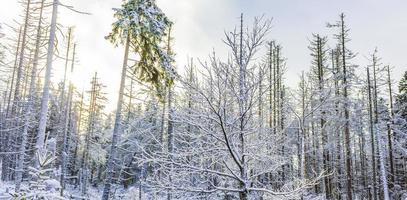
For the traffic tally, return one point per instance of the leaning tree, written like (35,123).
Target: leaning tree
(141,26)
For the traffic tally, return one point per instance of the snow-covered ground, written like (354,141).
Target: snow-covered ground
(7,192)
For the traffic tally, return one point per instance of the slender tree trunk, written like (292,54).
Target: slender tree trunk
(78,130)
(65,147)
(346,111)
(6,147)
(270,67)
(162,130)
(303,132)
(45,95)
(338,136)
(372,135)
(68,48)
(38,40)
(242,106)
(130,107)
(278,88)
(389,130)
(283,133)
(170,135)
(260,96)
(89,134)
(361,146)
(170,130)
(274,91)
(117,124)
(379,139)
(362,156)
(62,105)
(17,89)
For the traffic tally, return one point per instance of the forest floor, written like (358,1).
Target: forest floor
(7,192)
(95,193)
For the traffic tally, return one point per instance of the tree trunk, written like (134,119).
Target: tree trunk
(170,135)
(346,111)
(372,135)
(389,130)
(379,139)
(5,146)
(65,147)
(45,95)
(89,134)
(270,80)
(242,107)
(117,124)
(78,130)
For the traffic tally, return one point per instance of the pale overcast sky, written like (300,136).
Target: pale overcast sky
(200,24)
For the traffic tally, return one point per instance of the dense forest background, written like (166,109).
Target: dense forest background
(222,127)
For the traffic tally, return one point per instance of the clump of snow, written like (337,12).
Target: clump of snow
(141,15)
(51,144)
(52,185)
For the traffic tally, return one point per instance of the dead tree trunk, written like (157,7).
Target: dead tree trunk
(65,147)
(389,130)
(372,135)
(45,95)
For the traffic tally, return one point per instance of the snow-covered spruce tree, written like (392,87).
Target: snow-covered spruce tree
(216,147)
(42,186)
(42,180)
(142,26)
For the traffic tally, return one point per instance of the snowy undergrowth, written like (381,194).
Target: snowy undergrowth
(94,193)
(132,193)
